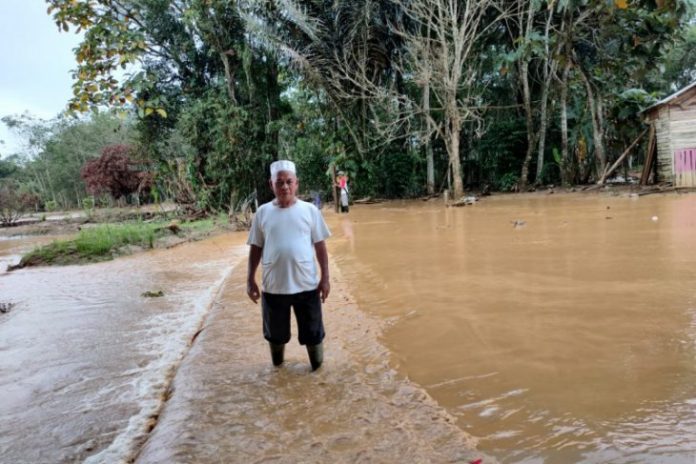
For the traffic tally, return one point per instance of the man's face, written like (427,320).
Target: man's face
(284,187)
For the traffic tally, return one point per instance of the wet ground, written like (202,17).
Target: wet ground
(556,328)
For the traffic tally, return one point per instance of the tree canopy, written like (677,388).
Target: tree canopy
(409,97)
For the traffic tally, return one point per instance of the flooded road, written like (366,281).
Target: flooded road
(555,328)
(92,372)
(229,404)
(85,359)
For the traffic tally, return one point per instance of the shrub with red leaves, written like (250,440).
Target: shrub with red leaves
(115,173)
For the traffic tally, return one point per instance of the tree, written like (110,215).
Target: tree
(640,32)
(116,174)
(55,150)
(187,50)
(441,39)
(14,202)
(437,52)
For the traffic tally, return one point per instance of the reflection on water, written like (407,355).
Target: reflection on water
(556,328)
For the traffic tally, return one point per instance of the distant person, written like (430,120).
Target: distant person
(285,235)
(316,198)
(342,190)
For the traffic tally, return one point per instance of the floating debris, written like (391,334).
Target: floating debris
(465,201)
(151,294)
(5,307)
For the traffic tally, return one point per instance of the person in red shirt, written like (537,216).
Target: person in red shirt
(342,187)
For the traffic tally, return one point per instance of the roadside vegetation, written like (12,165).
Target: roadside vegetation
(405,97)
(103,242)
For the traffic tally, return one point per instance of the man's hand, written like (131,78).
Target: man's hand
(323,258)
(255,253)
(324,289)
(253,291)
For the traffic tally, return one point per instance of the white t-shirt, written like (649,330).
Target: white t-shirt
(287,236)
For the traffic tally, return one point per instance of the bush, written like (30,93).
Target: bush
(508,182)
(13,203)
(88,203)
(51,205)
(115,173)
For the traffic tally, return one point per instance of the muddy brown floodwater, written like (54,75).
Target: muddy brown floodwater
(557,328)
(85,359)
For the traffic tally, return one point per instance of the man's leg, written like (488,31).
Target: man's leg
(276,324)
(310,325)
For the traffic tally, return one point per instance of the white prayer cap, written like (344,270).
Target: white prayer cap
(281,165)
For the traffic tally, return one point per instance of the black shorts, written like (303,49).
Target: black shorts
(276,317)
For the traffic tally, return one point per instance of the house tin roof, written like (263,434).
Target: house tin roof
(669,98)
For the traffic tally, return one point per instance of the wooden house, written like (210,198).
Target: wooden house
(673,129)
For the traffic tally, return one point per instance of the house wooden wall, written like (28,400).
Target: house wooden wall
(675,129)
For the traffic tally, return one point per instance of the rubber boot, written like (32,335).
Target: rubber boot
(277,354)
(316,355)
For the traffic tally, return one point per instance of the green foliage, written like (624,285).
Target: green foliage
(215,99)
(508,182)
(104,242)
(8,168)
(501,148)
(94,244)
(88,203)
(231,151)
(56,150)
(51,205)
(679,68)
(401,174)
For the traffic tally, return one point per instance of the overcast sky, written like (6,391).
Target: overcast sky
(35,64)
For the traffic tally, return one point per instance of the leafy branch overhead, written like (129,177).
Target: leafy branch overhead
(114,60)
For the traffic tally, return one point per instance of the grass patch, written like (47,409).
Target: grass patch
(202,226)
(104,242)
(95,244)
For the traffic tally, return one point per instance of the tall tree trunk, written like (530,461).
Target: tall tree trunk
(226,57)
(542,131)
(566,162)
(527,96)
(524,73)
(455,130)
(273,90)
(549,71)
(601,126)
(50,187)
(597,137)
(430,165)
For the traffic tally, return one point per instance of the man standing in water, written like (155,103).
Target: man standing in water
(285,235)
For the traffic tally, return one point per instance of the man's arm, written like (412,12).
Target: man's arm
(255,253)
(323,258)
